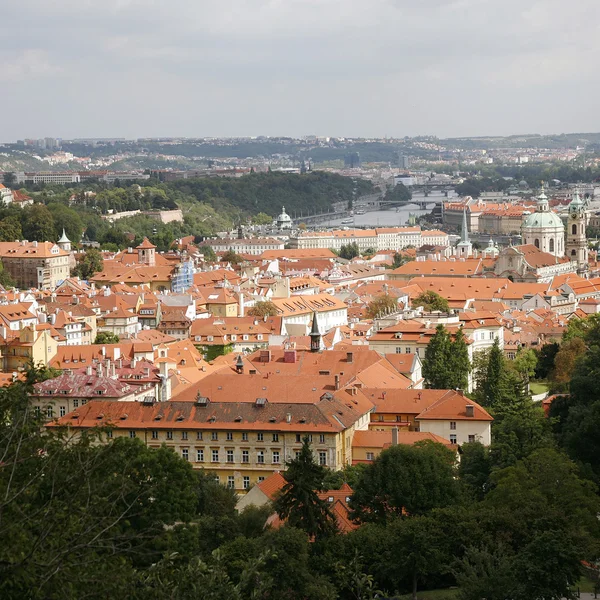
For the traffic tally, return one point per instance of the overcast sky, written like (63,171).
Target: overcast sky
(135,68)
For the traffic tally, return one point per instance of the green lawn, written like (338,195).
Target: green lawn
(585,585)
(538,387)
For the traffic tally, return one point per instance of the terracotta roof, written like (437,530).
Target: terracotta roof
(452,406)
(371,438)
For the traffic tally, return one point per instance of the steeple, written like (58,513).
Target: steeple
(315,335)
(464,232)
(542,201)
(464,248)
(64,243)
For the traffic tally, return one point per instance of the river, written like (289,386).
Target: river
(379,218)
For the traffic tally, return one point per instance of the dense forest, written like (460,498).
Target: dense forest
(513,521)
(209,205)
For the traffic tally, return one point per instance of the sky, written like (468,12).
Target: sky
(371,68)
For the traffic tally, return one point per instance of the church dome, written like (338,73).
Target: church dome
(284,221)
(542,219)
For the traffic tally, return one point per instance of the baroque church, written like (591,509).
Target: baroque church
(547,250)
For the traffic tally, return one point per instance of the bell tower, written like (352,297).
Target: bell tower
(576,246)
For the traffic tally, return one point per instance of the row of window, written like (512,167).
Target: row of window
(214,436)
(260,455)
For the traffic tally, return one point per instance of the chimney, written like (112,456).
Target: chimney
(241,307)
(337,382)
(99,370)
(265,356)
(239,364)
(469,410)
(394,436)
(289,356)
(349,357)
(288,418)
(88,370)
(103,350)
(113,371)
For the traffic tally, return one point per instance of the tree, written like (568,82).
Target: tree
(546,355)
(349,251)
(398,193)
(430,301)
(106,337)
(263,308)
(459,363)
(10,229)
(564,362)
(400,259)
(38,223)
(208,252)
(403,480)
(493,386)
(10,179)
(474,468)
(91,263)
(262,219)
(382,305)
(66,219)
(67,501)
(298,502)
(436,364)
(231,257)
(524,365)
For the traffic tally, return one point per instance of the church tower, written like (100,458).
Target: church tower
(146,253)
(576,246)
(464,248)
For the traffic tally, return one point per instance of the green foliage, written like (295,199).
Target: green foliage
(430,301)
(106,337)
(262,309)
(10,179)
(231,257)
(262,219)
(384,304)
(412,479)
(398,193)
(208,252)
(298,502)
(447,364)
(68,219)
(91,263)
(399,260)
(349,251)
(10,229)
(475,468)
(545,363)
(38,224)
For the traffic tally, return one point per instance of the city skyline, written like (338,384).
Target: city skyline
(350,69)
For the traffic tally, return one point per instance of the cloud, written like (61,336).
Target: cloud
(338,67)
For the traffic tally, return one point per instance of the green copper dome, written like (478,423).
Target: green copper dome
(543,219)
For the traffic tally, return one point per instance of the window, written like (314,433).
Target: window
(229,456)
(453,438)
(244,436)
(63,411)
(49,412)
(215,456)
(199,435)
(75,403)
(407,350)
(229,436)
(380,417)
(322,458)
(246,481)
(259,437)
(275,437)
(231,482)
(297,453)
(536,243)
(245,456)
(169,435)
(471,438)
(321,438)
(298,438)
(214,436)
(398,350)
(261,478)
(275,457)
(260,456)
(132,434)
(452,425)
(184,435)
(370,456)
(199,455)
(154,434)
(574,229)
(551,245)
(109,434)
(185,454)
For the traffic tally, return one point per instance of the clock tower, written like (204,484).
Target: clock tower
(576,246)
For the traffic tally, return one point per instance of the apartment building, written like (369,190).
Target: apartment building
(41,265)
(240,443)
(254,246)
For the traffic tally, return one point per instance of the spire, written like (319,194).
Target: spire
(64,237)
(542,201)
(464,234)
(315,335)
